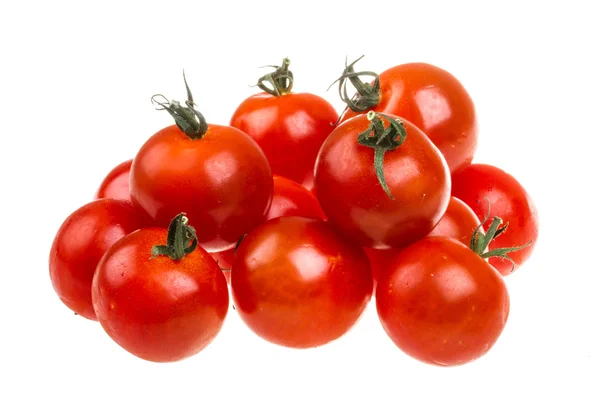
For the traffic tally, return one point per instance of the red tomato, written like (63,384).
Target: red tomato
(161,307)
(288,126)
(353,198)
(430,97)
(297,283)
(459,222)
(116,183)
(216,174)
(80,242)
(483,186)
(289,199)
(441,303)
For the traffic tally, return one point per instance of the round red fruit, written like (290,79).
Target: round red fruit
(81,241)
(116,183)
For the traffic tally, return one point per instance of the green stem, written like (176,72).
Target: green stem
(281,80)
(480,241)
(187,118)
(179,237)
(382,139)
(367,94)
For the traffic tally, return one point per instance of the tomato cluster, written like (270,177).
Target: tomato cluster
(299,216)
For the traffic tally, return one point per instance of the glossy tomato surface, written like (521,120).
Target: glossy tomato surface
(436,102)
(297,283)
(458,222)
(289,199)
(479,183)
(441,303)
(80,242)
(159,309)
(354,202)
(222,181)
(290,129)
(116,183)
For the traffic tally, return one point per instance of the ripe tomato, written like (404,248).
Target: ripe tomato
(216,174)
(297,283)
(288,126)
(116,183)
(484,187)
(459,222)
(352,191)
(80,242)
(441,303)
(162,304)
(289,199)
(429,96)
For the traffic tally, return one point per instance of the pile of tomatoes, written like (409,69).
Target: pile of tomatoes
(300,216)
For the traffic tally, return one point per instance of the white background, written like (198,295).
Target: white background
(76,80)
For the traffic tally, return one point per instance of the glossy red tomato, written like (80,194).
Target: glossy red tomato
(431,98)
(296,282)
(441,303)
(288,126)
(479,184)
(116,183)
(216,174)
(289,199)
(80,242)
(459,222)
(162,307)
(355,202)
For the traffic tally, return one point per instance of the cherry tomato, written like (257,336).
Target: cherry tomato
(288,126)
(441,303)
(80,242)
(163,305)
(289,199)
(484,187)
(351,192)
(459,222)
(297,283)
(216,174)
(116,183)
(430,97)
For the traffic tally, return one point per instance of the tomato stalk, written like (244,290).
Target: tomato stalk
(281,80)
(367,94)
(382,139)
(187,118)
(179,237)
(480,241)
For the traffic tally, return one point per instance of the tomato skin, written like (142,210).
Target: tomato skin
(441,303)
(159,309)
(289,129)
(116,183)
(80,242)
(479,183)
(223,182)
(353,200)
(458,222)
(437,103)
(297,283)
(289,199)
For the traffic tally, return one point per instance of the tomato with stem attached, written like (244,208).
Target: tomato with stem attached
(480,185)
(381,182)
(289,126)
(297,283)
(116,183)
(79,244)
(290,199)
(441,302)
(216,174)
(428,96)
(159,295)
